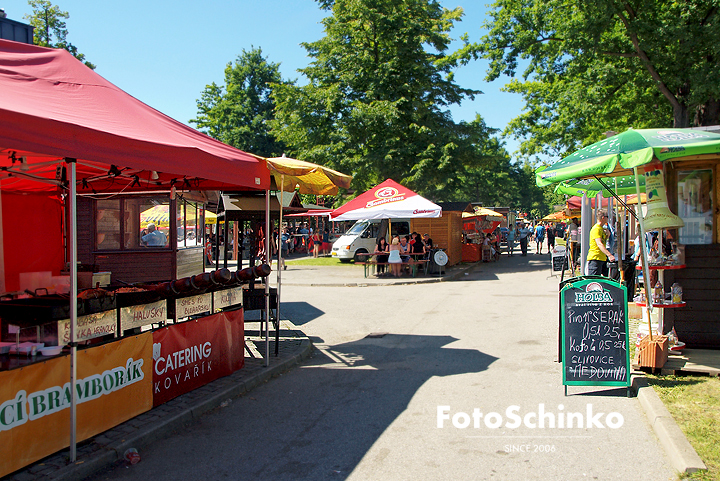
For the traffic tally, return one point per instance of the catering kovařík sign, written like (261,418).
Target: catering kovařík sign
(190,354)
(594,332)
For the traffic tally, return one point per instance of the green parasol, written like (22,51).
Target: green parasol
(591,186)
(619,153)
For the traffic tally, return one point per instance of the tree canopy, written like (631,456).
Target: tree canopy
(238,112)
(375,105)
(605,65)
(51,30)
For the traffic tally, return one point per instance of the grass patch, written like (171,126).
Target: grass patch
(694,402)
(316,261)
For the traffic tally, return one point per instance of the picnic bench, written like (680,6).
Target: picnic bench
(371,263)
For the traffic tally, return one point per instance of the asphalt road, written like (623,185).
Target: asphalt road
(365,405)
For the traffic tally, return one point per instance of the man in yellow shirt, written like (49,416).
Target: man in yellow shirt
(598,254)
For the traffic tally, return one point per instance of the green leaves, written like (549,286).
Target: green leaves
(604,65)
(379,82)
(238,113)
(50,29)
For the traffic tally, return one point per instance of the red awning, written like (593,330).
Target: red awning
(52,106)
(575,203)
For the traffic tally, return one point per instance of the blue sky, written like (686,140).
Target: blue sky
(165,52)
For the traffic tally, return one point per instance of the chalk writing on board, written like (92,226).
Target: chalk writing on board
(595,333)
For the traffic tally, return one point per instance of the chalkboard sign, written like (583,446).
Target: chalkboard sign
(559,258)
(594,332)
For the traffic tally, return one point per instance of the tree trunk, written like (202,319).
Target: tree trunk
(680,116)
(708,113)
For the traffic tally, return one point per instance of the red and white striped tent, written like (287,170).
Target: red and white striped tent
(388,200)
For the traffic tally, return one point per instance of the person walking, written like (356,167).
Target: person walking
(573,237)
(510,240)
(325,248)
(551,237)
(523,236)
(539,238)
(317,242)
(598,254)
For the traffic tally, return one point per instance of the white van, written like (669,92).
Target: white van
(363,236)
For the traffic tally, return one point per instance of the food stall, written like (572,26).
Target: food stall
(476,226)
(445,231)
(683,167)
(81,163)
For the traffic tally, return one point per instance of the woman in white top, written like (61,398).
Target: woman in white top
(394,258)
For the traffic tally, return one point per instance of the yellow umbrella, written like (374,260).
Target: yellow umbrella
(308,178)
(490,214)
(158,215)
(210,217)
(555,216)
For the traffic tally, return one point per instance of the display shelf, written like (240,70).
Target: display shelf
(663,305)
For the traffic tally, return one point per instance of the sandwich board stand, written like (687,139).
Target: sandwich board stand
(559,260)
(594,332)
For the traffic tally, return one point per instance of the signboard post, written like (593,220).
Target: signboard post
(594,332)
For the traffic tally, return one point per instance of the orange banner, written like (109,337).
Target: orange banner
(114,384)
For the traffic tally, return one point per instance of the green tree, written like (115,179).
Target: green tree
(594,66)
(238,112)
(50,28)
(377,95)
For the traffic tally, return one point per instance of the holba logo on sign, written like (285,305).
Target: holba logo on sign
(594,293)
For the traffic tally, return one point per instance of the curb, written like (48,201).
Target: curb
(681,453)
(113,452)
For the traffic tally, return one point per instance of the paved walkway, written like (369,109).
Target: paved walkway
(108,448)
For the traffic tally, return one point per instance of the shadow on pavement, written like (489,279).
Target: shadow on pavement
(302,312)
(347,395)
(320,422)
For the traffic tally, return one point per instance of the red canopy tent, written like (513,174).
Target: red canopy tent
(63,129)
(54,107)
(388,200)
(574,203)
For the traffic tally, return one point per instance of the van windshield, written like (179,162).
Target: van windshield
(358,228)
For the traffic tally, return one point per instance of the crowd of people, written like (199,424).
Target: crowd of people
(523,234)
(400,250)
(303,238)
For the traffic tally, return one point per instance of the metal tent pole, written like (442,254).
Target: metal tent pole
(266,280)
(279,263)
(585,220)
(72,246)
(644,254)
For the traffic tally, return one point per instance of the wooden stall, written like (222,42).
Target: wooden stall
(445,231)
(693,193)
(110,233)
